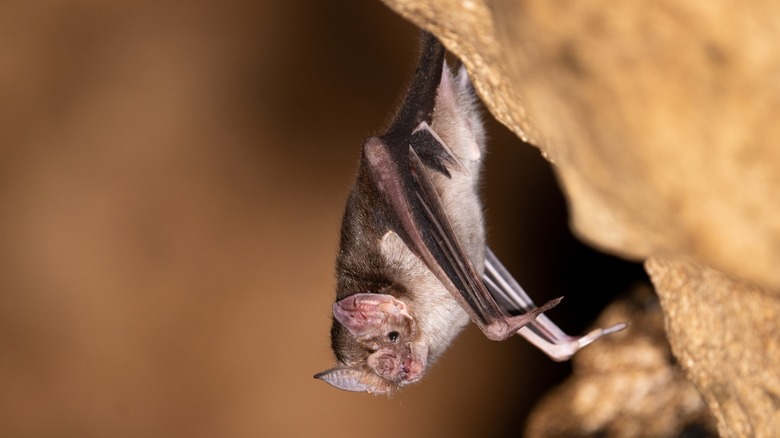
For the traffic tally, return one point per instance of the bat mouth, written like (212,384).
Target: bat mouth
(413,365)
(407,370)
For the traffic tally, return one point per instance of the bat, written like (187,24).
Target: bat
(413,267)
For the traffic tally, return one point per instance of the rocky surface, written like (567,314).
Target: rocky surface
(724,333)
(660,121)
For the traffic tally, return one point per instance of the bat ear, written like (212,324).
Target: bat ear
(355,380)
(364,314)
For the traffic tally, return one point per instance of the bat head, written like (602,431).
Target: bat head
(376,340)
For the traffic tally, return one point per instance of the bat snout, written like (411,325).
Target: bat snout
(412,370)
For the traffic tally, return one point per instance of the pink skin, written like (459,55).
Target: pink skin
(388,364)
(415,364)
(362,314)
(366,316)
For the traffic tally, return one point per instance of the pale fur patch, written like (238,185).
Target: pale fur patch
(456,116)
(458,122)
(438,316)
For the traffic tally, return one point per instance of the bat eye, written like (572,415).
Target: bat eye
(392,336)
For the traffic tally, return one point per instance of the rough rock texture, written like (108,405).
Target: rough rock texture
(626,385)
(731,349)
(661,120)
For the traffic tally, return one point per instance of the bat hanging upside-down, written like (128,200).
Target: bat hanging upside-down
(413,265)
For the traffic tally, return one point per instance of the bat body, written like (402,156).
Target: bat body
(413,267)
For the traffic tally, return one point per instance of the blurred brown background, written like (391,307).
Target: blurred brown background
(172,176)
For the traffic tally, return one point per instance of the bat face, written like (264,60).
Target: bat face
(381,349)
(382,326)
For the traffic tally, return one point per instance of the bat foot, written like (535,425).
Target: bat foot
(563,349)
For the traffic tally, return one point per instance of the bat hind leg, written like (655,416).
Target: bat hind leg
(561,349)
(540,331)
